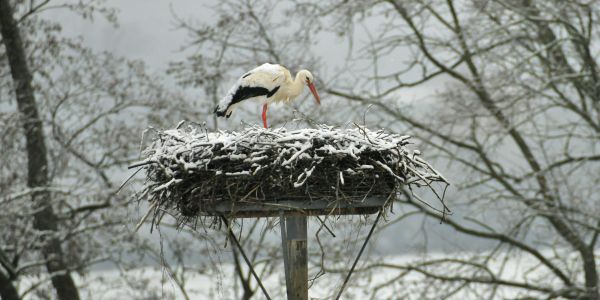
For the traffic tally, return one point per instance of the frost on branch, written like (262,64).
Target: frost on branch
(189,170)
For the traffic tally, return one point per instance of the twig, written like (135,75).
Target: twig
(326,227)
(126,181)
(139,164)
(150,209)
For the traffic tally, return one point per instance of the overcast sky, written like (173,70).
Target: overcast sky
(146,29)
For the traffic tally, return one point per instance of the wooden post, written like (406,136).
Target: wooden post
(293,240)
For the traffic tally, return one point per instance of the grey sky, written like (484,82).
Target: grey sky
(146,29)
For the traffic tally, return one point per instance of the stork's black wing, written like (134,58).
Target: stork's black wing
(242,93)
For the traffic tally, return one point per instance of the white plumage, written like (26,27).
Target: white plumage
(267,83)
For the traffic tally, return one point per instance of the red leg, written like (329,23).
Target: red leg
(264,115)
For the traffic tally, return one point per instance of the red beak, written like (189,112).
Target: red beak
(313,90)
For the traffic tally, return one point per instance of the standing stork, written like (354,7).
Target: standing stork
(268,83)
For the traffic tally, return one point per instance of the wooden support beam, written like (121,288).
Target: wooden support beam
(233,209)
(295,259)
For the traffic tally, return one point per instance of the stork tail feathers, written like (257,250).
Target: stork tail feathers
(218,112)
(222,113)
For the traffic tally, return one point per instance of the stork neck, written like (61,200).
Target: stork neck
(297,86)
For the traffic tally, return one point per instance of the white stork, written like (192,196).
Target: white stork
(268,83)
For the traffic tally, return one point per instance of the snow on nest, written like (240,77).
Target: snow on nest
(190,168)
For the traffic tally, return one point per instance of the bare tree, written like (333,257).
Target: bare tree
(519,115)
(81,116)
(45,220)
(507,94)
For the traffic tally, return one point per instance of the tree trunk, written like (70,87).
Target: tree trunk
(7,290)
(37,177)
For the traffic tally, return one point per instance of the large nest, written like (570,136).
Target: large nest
(189,169)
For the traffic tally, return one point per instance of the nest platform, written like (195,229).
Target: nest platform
(258,172)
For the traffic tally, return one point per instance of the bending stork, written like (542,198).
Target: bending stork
(268,83)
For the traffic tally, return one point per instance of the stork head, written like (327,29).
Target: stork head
(308,79)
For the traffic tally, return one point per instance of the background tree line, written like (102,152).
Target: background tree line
(505,94)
